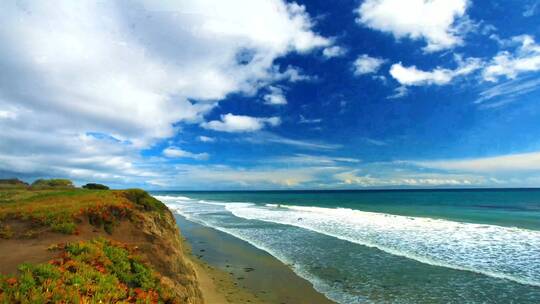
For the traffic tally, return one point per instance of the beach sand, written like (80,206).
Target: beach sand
(231,270)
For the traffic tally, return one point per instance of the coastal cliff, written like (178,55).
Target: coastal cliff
(60,243)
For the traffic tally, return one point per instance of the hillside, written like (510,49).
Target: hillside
(70,244)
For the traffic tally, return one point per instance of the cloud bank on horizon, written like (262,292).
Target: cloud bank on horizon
(278,94)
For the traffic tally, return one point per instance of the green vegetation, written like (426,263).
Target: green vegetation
(145,200)
(62,210)
(97,271)
(93,186)
(94,270)
(52,183)
(9,183)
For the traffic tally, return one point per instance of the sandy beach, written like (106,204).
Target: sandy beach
(231,270)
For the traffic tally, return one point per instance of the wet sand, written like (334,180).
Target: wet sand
(233,271)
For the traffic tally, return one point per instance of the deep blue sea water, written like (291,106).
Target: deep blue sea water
(389,246)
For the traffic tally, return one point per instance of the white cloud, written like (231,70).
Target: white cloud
(374,142)
(8,115)
(124,69)
(435,21)
(321,160)
(304,120)
(412,76)
(175,152)
(506,92)
(83,158)
(254,178)
(240,123)
(355,178)
(334,51)
(291,73)
(365,64)
(505,163)
(269,138)
(203,138)
(530,9)
(399,92)
(506,64)
(276,96)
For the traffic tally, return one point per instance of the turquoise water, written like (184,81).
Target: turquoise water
(443,246)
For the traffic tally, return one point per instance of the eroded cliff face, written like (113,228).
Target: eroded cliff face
(163,249)
(131,217)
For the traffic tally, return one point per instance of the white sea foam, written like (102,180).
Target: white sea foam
(509,253)
(198,211)
(171,198)
(503,252)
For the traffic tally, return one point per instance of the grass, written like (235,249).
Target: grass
(52,183)
(61,210)
(97,271)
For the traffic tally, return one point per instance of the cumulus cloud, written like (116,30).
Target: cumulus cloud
(291,73)
(365,64)
(239,123)
(79,157)
(509,65)
(276,96)
(135,70)
(175,152)
(435,21)
(334,51)
(412,76)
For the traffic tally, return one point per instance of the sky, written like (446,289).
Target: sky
(272,94)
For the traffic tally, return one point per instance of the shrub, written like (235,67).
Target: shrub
(62,221)
(5,231)
(97,271)
(107,216)
(144,200)
(93,186)
(64,227)
(12,183)
(52,183)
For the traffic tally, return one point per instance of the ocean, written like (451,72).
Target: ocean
(388,246)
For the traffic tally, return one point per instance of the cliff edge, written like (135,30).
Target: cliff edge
(65,243)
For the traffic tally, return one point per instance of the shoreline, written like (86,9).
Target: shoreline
(231,270)
(216,285)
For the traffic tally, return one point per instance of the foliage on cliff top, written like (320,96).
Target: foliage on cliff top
(97,271)
(52,183)
(12,183)
(144,200)
(94,186)
(61,210)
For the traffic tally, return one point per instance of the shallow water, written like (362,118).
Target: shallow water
(250,268)
(405,247)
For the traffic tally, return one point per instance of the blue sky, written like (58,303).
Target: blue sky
(272,94)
